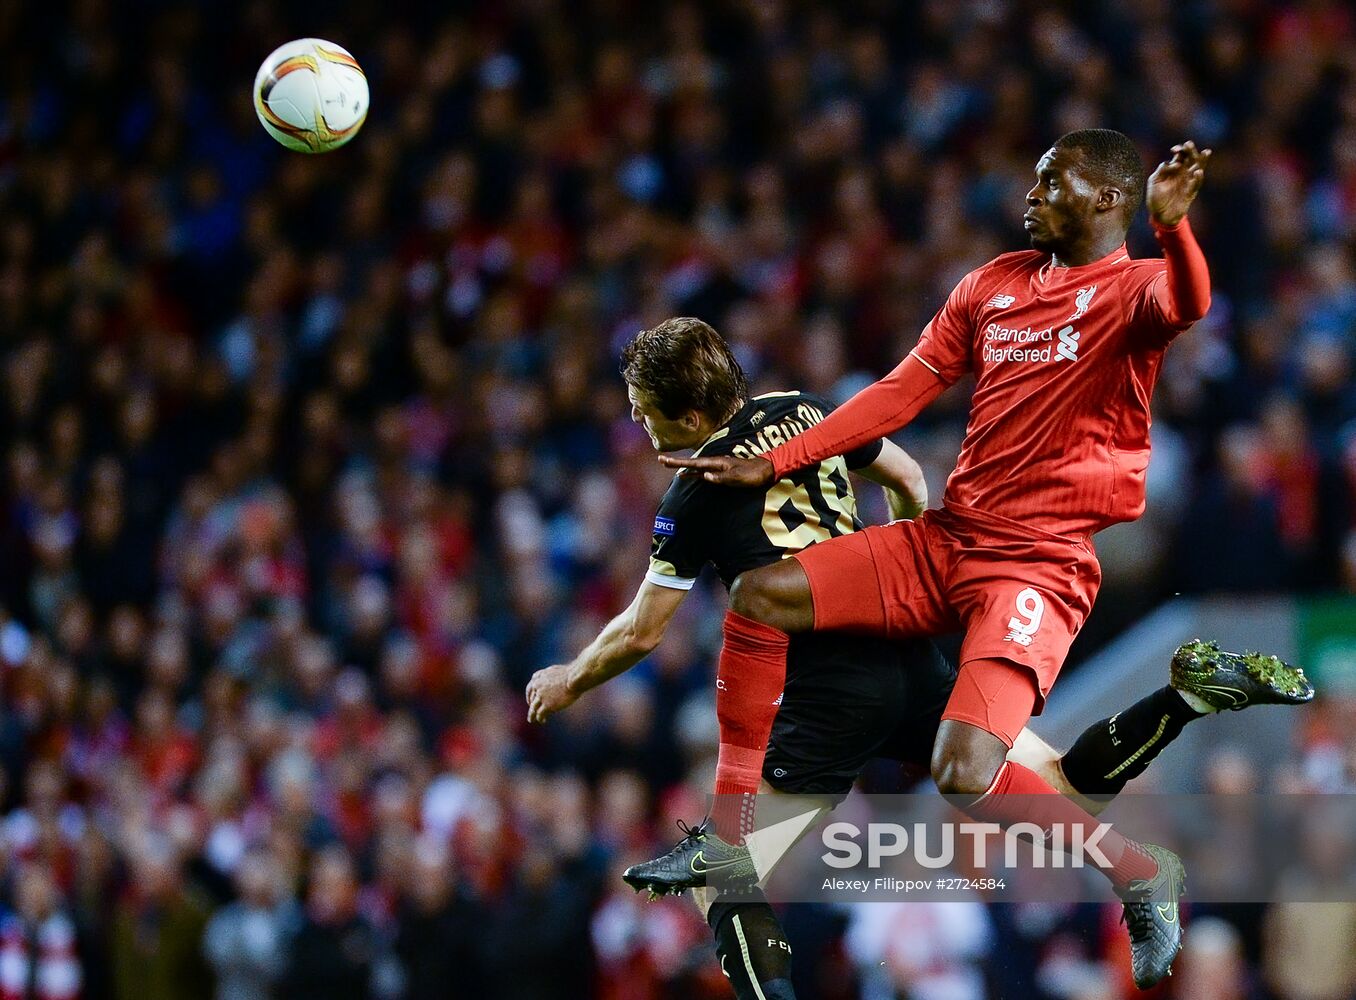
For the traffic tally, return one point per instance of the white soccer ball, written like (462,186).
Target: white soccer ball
(311,95)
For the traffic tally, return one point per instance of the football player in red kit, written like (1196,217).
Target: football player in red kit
(1065,342)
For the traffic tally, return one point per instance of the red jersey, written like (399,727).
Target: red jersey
(1065,360)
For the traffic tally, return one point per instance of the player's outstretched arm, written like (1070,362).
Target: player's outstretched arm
(877,410)
(623,642)
(906,490)
(1182,295)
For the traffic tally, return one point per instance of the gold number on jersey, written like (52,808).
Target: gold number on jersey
(803,535)
(837,493)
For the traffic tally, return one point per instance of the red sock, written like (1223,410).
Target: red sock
(1038,803)
(749,686)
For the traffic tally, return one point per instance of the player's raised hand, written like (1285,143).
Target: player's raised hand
(726,470)
(548,693)
(1173,186)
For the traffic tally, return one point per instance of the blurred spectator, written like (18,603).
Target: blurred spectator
(1311,946)
(439,928)
(1212,966)
(335,950)
(39,952)
(158,929)
(246,941)
(928,950)
(1311,951)
(1233,536)
(537,945)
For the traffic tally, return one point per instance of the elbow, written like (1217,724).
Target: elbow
(1190,310)
(912,486)
(918,487)
(1197,308)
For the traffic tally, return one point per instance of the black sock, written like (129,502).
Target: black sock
(1111,752)
(753,949)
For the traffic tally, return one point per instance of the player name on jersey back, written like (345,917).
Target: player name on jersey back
(774,434)
(737,529)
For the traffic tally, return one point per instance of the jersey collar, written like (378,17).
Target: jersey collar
(1049,270)
(724,429)
(714,437)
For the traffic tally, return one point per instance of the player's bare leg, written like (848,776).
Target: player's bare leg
(966,759)
(778,595)
(1032,752)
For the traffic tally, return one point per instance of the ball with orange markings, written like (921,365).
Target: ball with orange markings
(311,95)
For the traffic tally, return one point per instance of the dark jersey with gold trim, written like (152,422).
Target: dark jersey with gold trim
(736,529)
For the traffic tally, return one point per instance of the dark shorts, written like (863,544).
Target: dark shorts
(849,698)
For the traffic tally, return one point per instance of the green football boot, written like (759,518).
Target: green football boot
(1233,681)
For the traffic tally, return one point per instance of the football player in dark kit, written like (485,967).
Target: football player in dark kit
(847,698)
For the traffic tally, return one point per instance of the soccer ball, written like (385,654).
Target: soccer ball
(311,95)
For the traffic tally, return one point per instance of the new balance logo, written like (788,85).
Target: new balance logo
(1002,301)
(1030,608)
(1068,344)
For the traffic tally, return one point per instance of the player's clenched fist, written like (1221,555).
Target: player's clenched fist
(724,469)
(1173,186)
(548,692)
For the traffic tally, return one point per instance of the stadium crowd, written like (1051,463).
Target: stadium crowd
(309,462)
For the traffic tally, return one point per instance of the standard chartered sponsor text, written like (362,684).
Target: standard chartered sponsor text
(1005,343)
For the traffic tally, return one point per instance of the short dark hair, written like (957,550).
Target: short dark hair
(683,364)
(1112,157)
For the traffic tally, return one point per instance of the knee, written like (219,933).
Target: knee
(766,595)
(958,771)
(750,596)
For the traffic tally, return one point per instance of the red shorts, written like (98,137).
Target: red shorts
(1020,596)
